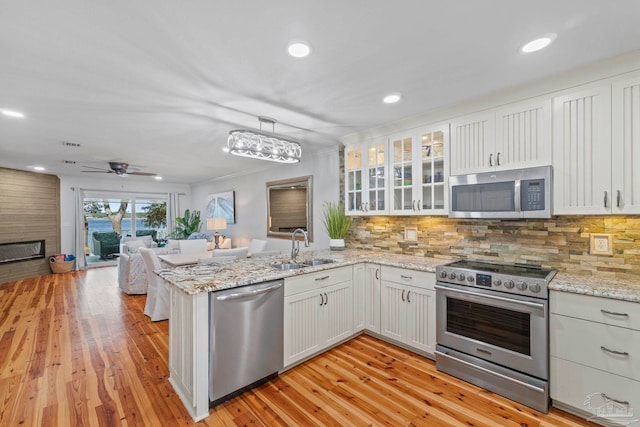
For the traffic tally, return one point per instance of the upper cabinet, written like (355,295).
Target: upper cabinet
(596,133)
(582,151)
(625,153)
(418,164)
(366,179)
(510,137)
(473,143)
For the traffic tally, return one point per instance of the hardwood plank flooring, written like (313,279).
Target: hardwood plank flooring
(75,351)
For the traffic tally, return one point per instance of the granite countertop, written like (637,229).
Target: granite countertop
(625,290)
(197,279)
(210,278)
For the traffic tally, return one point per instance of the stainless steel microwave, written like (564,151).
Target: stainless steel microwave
(521,193)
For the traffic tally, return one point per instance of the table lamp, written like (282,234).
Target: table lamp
(216,224)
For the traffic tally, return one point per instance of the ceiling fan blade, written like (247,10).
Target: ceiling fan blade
(142,173)
(102,171)
(94,167)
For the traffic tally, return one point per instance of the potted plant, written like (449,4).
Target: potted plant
(187,225)
(337,224)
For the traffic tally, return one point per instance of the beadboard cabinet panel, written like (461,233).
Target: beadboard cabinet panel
(625,139)
(582,151)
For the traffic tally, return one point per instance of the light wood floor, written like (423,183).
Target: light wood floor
(74,351)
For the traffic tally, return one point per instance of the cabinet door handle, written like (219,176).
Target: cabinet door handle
(403,295)
(418,205)
(377,276)
(491,159)
(322,278)
(406,277)
(366,207)
(606,197)
(613,313)
(618,353)
(408,300)
(413,205)
(622,402)
(321,301)
(618,199)
(498,159)
(326,298)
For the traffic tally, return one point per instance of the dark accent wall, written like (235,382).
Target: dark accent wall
(29,210)
(561,242)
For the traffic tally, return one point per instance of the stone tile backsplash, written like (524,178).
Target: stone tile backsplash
(561,242)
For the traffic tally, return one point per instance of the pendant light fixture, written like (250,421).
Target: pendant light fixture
(263,145)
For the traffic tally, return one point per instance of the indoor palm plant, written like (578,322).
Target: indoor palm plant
(187,225)
(337,224)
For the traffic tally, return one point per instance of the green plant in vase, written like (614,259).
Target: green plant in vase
(337,224)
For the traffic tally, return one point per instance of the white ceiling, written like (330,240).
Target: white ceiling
(160,83)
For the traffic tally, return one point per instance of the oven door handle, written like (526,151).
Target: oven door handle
(490,372)
(491,297)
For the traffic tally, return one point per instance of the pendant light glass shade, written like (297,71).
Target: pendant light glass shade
(260,145)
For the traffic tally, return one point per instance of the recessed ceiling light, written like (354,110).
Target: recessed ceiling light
(38,168)
(14,114)
(225,149)
(392,98)
(539,43)
(158,177)
(299,49)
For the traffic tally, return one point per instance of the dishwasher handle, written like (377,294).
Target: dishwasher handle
(238,295)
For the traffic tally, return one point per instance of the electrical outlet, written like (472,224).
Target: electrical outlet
(601,244)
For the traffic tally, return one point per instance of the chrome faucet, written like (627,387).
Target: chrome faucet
(295,245)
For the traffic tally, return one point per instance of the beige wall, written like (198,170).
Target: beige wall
(561,242)
(29,210)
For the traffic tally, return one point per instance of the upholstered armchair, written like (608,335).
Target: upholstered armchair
(104,244)
(132,272)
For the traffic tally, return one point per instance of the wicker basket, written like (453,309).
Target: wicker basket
(61,266)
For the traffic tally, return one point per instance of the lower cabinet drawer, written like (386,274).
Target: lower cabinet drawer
(611,397)
(609,348)
(419,279)
(306,282)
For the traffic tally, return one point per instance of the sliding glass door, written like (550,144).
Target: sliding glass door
(108,219)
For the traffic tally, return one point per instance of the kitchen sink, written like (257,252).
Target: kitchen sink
(289,266)
(315,262)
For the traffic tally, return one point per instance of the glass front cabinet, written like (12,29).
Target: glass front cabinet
(366,179)
(419,181)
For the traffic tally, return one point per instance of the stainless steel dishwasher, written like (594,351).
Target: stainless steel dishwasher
(246,338)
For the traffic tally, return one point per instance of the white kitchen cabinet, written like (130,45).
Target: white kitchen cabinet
(625,154)
(372,297)
(582,151)
(523,135)
(593,346)
(318,312)
(359,297)
(366,178)
(408,308)
(418,162)
(189,350)
(514,136)
(473,143)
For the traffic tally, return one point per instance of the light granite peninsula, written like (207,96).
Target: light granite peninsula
(211,278)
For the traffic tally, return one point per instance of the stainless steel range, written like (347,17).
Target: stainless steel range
(493,328)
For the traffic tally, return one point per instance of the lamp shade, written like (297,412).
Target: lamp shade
(218,223)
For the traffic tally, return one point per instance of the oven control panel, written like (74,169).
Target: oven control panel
(496,281)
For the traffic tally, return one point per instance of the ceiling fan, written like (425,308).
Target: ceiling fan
(120,169)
